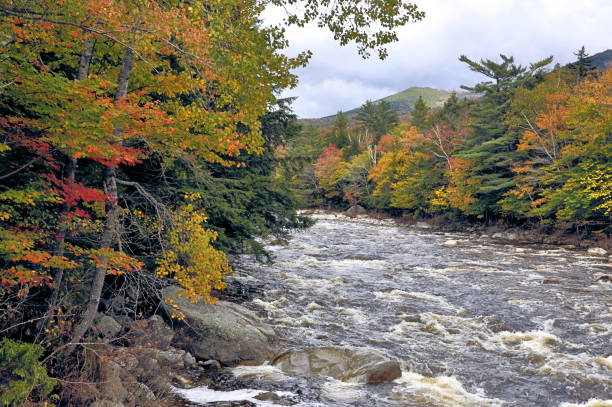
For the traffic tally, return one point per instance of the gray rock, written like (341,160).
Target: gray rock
(153,332)
(225,331)
(110,386)
(106,326)
(140,392)
(597,250)
(355,210)
(348,365)
(189,359)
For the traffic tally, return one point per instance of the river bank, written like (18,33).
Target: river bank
(529,234)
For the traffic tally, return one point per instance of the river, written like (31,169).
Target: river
(480,323)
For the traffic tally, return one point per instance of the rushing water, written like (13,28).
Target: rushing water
(479,324)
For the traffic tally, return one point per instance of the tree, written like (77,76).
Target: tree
(419,115)
(338,134)
(369,24)
(491,146)
(377,119)
(582,67)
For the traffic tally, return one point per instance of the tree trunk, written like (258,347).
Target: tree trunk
(111,228)
(69,177)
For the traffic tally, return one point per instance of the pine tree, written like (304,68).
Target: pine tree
(419,115)
(491,146)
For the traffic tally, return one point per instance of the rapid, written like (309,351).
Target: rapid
(479,323)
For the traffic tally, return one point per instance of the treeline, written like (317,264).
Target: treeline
(138,146)
(534,147)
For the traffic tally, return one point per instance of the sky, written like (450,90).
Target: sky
(427,52)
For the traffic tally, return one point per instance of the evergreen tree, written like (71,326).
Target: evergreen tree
(491,147)
(582,67)
(339,133)
(419,115)
(378,119)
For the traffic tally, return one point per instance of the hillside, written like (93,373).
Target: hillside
(601,60)
(402,102)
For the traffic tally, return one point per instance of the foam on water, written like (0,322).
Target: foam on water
(206,395)
(590,403)
(441,391)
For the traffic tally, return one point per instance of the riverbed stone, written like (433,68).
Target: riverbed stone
(597,250)
(355,210)
(152,332)
(225,331)
(345,364)
(450,243)
(106,326)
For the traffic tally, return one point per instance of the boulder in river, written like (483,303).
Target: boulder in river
(422,225)
(355,210)
(226,332)
(345,364)
(597,250)
(450,243)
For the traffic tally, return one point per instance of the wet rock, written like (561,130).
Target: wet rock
(189,359)
(348,365)
(153,332)
(226,332)
(450,243)
(212,364)
(275,399)
(422,225)
(279,242)
(106,326)
(384,372)
(504,235)
(550,281)
(355,210)
(597,250)
(599,276)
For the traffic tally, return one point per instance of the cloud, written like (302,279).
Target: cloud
(427,52)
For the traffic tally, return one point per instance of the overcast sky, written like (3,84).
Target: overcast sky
(427,53)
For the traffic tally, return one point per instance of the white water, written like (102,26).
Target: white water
(472,325)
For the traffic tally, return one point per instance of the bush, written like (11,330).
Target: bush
(21,374)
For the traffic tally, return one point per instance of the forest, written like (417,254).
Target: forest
(143,145)
(531,149)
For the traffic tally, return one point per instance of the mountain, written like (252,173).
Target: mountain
(601,60)
(402,102)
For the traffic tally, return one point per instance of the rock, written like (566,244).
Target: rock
(105,403)
(110,385)
(226,332)
(599,276)
(597,250)
(212,364)
(279,242)
(550,281)
(354,365)
(519,249)
(355,210)
(189,359)
(106,326)
(422,225)
(384,372)
(450,243)
(140,392)
(153,332)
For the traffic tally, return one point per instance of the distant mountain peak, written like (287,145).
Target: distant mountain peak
(402,102)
